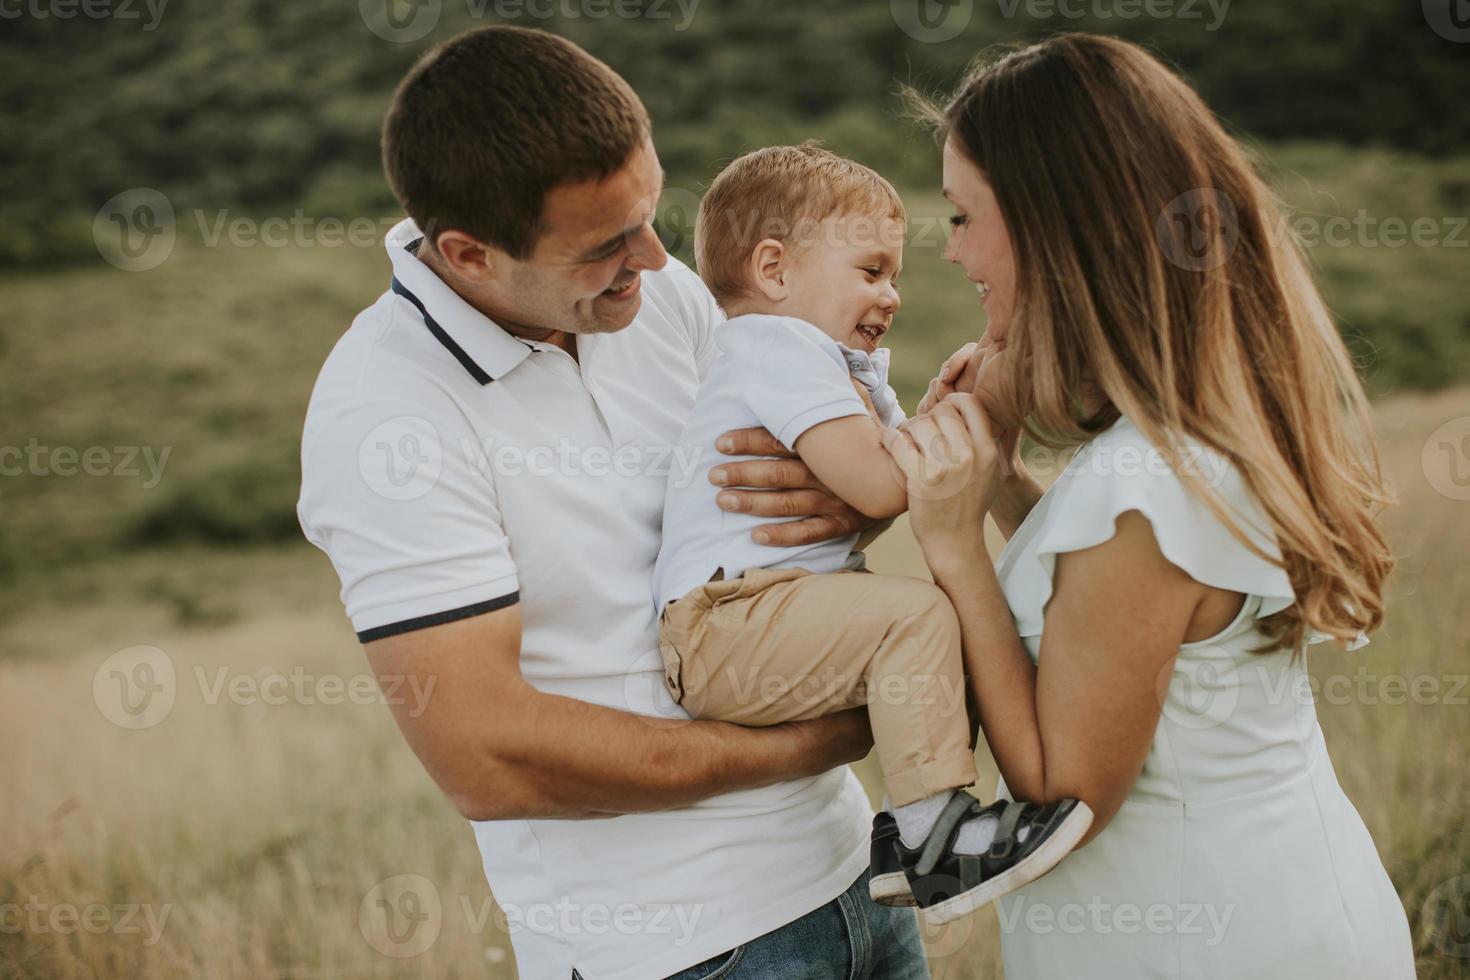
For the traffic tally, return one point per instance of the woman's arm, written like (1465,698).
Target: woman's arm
(1015,497)
(1080,724)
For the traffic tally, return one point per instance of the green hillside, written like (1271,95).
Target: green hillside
(260,107)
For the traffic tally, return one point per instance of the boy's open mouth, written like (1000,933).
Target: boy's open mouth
(871,332)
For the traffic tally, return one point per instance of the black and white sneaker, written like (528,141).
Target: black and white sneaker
(947,885)
(887,883)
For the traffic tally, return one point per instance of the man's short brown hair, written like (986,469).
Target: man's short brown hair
(491,120)
(784,193)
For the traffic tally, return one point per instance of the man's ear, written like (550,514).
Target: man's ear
(468,258)
(768,264)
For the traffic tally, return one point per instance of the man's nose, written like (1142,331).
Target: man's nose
(645,251)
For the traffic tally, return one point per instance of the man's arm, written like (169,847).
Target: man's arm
(785,489)
(502,750)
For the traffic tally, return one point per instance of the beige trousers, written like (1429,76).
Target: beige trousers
(780,645)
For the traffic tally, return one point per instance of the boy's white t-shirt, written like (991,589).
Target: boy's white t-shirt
(786,375)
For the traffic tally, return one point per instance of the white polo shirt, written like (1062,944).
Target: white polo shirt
(449,469)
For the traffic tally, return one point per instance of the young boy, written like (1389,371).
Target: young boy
(802,249)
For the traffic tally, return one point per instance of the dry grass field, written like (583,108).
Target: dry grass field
(242,833)
(238,821)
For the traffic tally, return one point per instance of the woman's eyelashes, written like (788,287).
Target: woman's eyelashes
(959,220)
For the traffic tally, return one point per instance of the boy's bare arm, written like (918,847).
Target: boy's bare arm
(847,455)
(877,526)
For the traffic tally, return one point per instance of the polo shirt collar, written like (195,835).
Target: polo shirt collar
(481,346)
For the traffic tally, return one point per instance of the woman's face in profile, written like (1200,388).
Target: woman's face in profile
(978,241)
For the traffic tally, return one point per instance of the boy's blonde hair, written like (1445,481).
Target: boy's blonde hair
(784,193)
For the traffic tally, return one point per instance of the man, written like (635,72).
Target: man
(485,459)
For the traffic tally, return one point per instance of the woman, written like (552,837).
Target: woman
(1139,644)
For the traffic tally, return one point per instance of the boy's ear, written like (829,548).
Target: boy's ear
(768,269)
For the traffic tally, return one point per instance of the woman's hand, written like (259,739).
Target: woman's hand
(953,465)
(985,372)
(972,370)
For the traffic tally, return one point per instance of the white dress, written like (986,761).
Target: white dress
(1237,854)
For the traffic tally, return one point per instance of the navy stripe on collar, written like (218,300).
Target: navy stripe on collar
(476,372)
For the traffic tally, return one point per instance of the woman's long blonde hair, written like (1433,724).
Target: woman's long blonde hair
(1153,280)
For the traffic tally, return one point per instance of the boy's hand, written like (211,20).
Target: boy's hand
(779,488)
(959,373)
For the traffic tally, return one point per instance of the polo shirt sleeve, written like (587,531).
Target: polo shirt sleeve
(793,380)
(394,491)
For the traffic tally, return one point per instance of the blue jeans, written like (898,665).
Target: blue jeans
(850,938)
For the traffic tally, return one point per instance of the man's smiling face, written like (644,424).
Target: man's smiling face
(584,274)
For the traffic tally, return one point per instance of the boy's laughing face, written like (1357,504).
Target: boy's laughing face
(843,278)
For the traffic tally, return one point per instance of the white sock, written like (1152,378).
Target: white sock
(916,819)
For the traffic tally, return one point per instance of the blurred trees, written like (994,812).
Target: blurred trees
(266,107)
(249,104)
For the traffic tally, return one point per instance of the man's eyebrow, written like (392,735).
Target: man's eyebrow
(612,244)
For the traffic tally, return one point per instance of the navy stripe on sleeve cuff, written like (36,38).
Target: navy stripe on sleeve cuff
(439,618)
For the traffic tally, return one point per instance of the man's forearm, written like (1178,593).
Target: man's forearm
(568,759)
